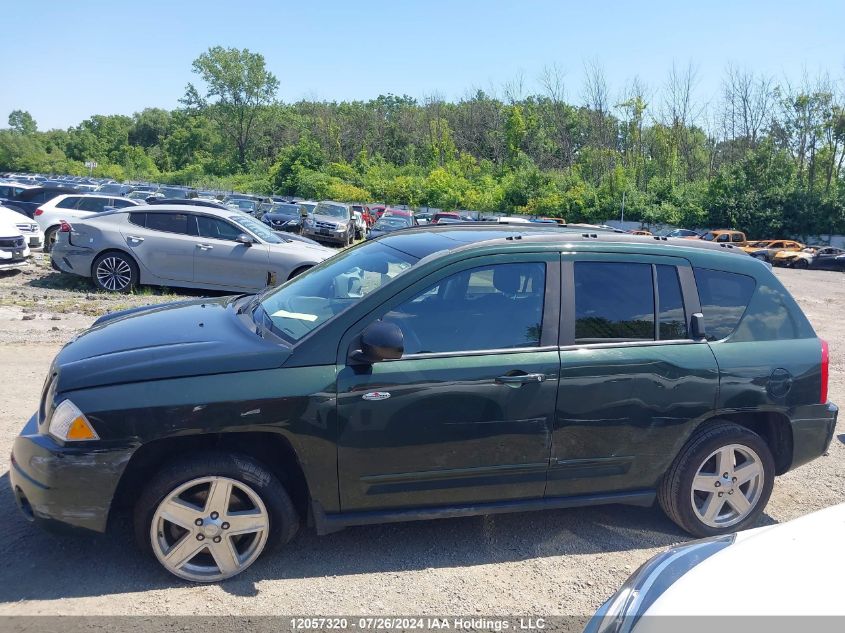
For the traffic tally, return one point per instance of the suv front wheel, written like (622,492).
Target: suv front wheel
(209,517)
(720,482)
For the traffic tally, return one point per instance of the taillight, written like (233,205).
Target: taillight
(65,227)
(825,371)
(39,211)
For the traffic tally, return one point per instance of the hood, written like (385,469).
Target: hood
(8,228)
(330,219)
(314,250)
(277,215)
(190,338)
(787,565)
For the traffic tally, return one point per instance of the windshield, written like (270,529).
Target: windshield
(173,192)
(110,188)
(287,209)
(307,207)
(302,305)
(392,222)
(244,205)
(257,228)
(332,210)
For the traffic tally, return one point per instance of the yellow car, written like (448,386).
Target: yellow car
(737,238)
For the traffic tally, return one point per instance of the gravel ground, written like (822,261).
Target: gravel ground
(545,563)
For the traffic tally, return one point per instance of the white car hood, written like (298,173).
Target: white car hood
(7,226)
(793,568)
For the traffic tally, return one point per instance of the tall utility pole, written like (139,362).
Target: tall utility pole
(623,205)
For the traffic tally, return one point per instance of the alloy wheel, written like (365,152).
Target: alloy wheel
(209,529)
(727,486)
(114,273)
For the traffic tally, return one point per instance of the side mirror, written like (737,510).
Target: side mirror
(379,341)
(697,326)
(244,239)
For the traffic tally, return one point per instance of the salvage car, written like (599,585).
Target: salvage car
(29,229)
(768,249)
(180,245)
(14,250)
(284,216)
(816,257)
(430,373)
(330,222)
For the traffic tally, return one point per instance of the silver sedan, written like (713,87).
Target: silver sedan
(183,246)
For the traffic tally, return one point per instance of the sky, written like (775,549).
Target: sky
(65,61)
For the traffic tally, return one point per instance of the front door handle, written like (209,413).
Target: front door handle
(204,247)
(135,238)
(517,380)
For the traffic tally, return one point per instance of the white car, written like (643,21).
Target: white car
(29,229)
(14,251)
(788,569)
(74,206)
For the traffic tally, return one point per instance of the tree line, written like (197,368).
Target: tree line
(761,156)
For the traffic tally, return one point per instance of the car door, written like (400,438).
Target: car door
(826,259)
(631,384)
(220,260)
(163,243)
(465,416)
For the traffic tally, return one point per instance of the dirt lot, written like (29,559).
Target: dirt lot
(559,562)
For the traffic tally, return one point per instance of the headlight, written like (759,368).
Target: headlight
(309,222)
(69,424)
(293,222)
(621,612)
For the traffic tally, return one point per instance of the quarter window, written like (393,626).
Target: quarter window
(487,308)
(724,297)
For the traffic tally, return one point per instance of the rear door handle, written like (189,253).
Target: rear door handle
(517,380)
(205,247)
(135,238)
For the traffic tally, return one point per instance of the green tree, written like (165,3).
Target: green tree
(22,122)
(237,87)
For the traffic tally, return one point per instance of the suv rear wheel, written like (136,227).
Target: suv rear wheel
(720,482)
(210,516)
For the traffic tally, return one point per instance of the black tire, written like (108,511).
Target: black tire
(50,238)
(801,263)
(675,490)
(283,518)
(119,262)
(298,271)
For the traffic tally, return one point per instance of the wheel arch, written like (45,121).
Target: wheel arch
(299,270)
(273,450)
(774,427)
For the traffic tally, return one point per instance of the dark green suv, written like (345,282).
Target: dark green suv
(434,372)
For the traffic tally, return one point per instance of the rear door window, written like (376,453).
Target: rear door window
(92,204)
(724,297)
(169,222)
(614,302)
(68,203)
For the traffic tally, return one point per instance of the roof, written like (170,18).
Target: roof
(423,241)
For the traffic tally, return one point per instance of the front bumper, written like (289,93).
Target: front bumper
(15,263)
(334,236)
(64,488)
